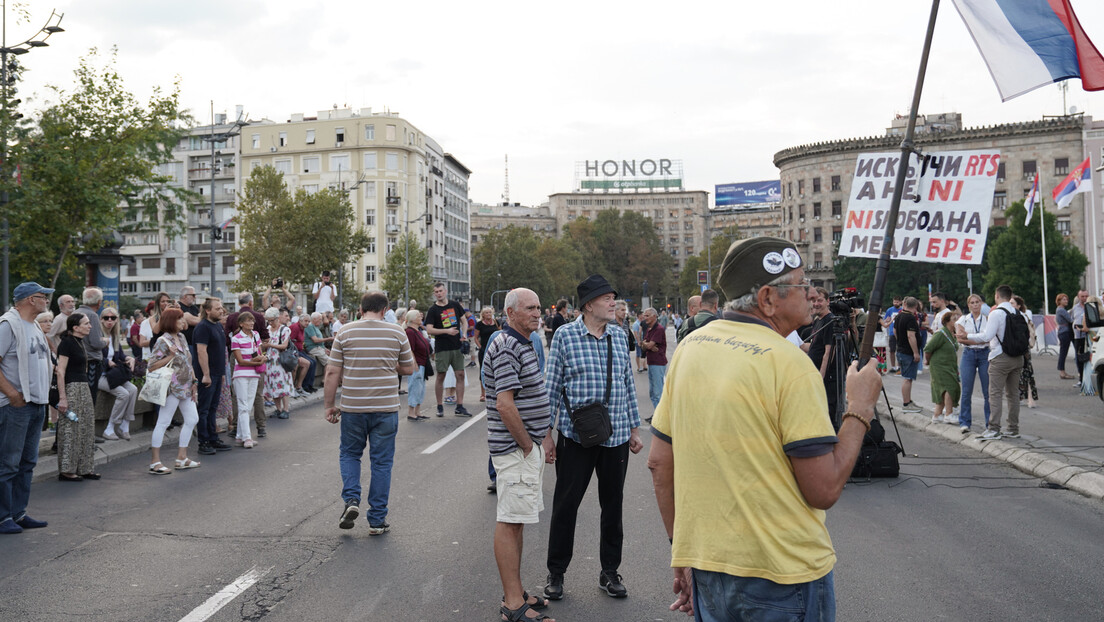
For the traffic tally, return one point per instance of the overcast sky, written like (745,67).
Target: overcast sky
(721,86)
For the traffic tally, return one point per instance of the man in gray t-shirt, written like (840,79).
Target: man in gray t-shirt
(94,343)
(24,392)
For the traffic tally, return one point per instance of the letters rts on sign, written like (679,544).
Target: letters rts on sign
(948,224)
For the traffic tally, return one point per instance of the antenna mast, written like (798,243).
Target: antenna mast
(506,188)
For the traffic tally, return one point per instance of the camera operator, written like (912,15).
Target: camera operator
(821,341)
(271,298)
(324,294)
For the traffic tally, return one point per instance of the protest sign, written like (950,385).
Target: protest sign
(945,206)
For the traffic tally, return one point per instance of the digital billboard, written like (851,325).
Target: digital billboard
(748,193)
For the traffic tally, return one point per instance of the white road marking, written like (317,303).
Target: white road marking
(225,595)
(457,432)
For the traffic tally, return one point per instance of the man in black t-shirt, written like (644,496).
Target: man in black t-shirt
(445,322)
(907,328)
(210,367)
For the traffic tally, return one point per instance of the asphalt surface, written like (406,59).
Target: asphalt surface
(960,535)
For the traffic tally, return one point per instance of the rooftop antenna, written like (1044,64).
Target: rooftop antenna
(506,188)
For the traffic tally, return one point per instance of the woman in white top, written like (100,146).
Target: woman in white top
(249,366)
(125,393)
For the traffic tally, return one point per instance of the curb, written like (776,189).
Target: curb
(142,441)
(1084,481)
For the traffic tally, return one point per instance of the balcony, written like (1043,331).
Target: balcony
(393,201)
(392,228)
(205,247)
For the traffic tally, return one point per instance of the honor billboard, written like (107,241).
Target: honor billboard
(621,174)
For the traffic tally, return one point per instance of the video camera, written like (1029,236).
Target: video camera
(845,300)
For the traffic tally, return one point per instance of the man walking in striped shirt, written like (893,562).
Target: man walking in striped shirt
(367,358)
(517,433)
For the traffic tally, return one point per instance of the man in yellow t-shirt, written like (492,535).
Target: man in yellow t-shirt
(745,459)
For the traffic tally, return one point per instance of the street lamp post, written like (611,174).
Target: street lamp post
(6,80)
(213,138)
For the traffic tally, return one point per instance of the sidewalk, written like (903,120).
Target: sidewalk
(1063,438)
(141,441)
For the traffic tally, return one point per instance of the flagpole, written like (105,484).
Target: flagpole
(1091,208)
(1042,239)
(881,269)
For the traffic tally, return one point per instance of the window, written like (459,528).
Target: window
(254,164)
(170,265)
(818,236)
(312,164)
(132,270)
(1061,166)
(369,132)
(310,137)
(369,274)
(128,288)
(390,132)
(371,245)
(369,190)
(837,234)
(371,161)
(391,241)
(228,264)
(392,161)
(1000,200)
(801,187)
(339,162)
(339,134)
(816,184)
(392,189)
(392,217)
(283,166)
(1029,169)
(151,264)
(818,259)
(151,287)
(837,208)
(835,182)
(256,141)
(1063,226)
(789,189)
(801,211)
(816,210)
(283,139)
(1000,172)
(310,188)
(370,218)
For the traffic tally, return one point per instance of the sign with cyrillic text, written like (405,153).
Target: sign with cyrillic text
(945,206)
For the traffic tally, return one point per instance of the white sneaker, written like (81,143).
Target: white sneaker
(965,429)
(989,435)
(950,419)
(911,407)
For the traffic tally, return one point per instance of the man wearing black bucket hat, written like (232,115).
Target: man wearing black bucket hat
(743,433)
(593,399)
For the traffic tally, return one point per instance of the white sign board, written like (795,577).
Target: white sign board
(948,224)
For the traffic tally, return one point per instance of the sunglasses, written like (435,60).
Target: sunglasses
(108,318)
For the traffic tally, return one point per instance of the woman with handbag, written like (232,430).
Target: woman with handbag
(417,383)
(116,379)
(171,353)
(77,421)
(278,380)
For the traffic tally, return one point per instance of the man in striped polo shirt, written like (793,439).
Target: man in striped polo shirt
(517,427)
(367,358)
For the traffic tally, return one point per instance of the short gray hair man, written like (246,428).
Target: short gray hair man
(92,296)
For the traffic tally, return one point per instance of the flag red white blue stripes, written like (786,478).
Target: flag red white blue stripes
(1079,180)
(1032,197)
(1031,43)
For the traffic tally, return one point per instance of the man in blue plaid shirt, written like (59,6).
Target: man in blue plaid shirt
(577,367)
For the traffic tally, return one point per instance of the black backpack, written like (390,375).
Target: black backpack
(1017,337)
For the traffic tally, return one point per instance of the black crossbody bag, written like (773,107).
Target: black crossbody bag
(592,421)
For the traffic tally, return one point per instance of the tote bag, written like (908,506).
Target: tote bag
(156,388)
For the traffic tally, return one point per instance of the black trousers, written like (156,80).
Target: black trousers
(574,467)
(1078,349)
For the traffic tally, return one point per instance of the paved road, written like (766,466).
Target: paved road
(958,536)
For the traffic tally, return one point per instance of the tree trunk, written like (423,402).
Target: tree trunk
(61,261)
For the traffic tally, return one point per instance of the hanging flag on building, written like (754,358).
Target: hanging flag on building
(1079,180)
(1032,197)
(226,224)
(1031,43)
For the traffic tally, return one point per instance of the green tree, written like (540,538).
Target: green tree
(688,279)
(95,149)
(1015,258)
(624,248)
(565,268)
(294,237)
(394,273)
(505,259)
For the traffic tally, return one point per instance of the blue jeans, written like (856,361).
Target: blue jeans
(308,378)
(656,374)
(207,401)
(377,430)
(973,361)
(721,597)
(20,429)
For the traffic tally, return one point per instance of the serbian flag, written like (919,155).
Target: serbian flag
(1079,180)
(226,224)
(1031,43)
(1032,197)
